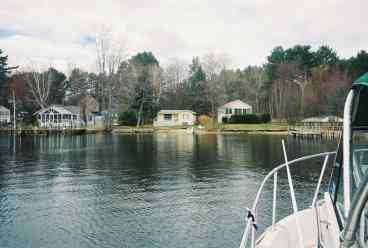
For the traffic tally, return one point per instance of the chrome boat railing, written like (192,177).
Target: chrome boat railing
(251,219)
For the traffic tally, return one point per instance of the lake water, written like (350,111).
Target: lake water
(161,190)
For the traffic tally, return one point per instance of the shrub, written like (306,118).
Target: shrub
(128,118)
(225,120)
(266,118)
(30,120)
(250,119)
(206,121)
(237,119)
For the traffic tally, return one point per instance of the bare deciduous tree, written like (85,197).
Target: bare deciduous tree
(109,57)
(255,78)
(39,84)
(213,64)
(282,91)
(175,73)
(147,87)
(174,77)
(301,79)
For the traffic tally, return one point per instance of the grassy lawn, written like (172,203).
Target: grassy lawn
(256,127)
(276,127)
(150,126)
(132,127)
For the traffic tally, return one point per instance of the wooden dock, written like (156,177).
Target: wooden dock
(316,130)
(311,134)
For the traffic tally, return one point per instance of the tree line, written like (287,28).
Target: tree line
(294,83)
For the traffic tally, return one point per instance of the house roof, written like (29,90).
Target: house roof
(61,109)
(236,102)
(329,118)
(174,111)
(2,108)
(113,111)
(72,109)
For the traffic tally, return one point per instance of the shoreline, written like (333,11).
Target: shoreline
(46,132)
(196,131)
(144,130)
(250,130)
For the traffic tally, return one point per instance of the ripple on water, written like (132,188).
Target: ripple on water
(136,191)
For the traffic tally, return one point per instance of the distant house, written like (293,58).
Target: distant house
(174,118)
(322,122)
(114,115)
(4,115)
(95,120)
(57,116)
(322,119)
(236,107)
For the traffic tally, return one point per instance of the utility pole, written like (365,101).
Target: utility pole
(14,119)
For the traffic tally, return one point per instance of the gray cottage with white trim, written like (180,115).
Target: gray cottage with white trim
(57,116)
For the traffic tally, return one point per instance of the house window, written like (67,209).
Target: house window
(244,111)
(229,111)
(167,117)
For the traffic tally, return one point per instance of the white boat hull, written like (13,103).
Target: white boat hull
(313,222)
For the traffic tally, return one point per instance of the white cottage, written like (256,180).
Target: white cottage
(174,118)
(4,115)
(56,116)
(95,120)
(236,107)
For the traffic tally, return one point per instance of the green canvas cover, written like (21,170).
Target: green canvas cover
(360,107)
(363,80)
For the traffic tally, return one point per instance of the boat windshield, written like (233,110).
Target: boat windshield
(359,145)
(358,157)
(359,149)
(360,166)
(360,153)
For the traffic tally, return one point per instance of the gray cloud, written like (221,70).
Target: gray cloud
(4,33)
(61,32)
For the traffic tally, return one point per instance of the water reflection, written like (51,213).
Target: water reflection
(161,190)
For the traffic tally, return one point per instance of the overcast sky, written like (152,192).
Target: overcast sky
(61,32)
